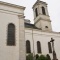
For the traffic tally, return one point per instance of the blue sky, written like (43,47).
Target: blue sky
(53,8)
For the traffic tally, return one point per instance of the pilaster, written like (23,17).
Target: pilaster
(22,52)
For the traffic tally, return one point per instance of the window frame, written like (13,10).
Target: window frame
(28,46)
(39,47)
(43,11)
(11,35)
(36,12)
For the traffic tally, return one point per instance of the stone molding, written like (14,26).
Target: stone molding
(12,5)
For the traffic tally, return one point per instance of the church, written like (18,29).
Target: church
(18,37)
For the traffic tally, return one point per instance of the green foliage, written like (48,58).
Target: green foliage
(37,56)
(42,57)
(48,57)
(29,57)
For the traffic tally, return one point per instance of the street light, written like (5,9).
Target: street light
(53,49)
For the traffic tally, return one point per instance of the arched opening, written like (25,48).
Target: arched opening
(43,11)
(38,47)
(11,34)
(28,49)
(36,12)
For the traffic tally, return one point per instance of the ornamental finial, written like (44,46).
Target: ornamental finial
(38,0)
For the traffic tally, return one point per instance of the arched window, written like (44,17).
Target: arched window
(38,47)
(28,50)
(43,11)
(49,47)
(36,12)
(11,34)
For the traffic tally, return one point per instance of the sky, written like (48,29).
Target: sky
(53,9)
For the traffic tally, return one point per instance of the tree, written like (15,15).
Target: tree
(42,57)
(48,57)
(37,56)
(29,56)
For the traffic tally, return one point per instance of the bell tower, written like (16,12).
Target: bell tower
(41,16)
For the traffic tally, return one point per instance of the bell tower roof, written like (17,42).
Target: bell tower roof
(39,2)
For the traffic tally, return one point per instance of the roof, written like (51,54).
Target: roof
(12,5)
(28,25)
(36,3)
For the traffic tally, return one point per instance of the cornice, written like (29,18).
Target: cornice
(12,5)
(43,31)
(21,16)
(41,14)
(42,19)
(10,12)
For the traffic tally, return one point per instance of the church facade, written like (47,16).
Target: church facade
(18,37)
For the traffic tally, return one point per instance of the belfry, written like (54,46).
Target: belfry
(41,16)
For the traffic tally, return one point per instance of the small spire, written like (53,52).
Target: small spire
(38,0)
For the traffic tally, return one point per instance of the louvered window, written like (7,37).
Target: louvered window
(28,49)
(43,11)
(38,47)
(36,12)
(11,34)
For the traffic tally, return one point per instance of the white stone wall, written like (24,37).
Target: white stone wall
(44,38)
(8,52)
(10,14)
(43,23)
